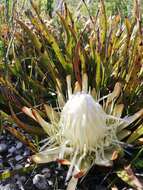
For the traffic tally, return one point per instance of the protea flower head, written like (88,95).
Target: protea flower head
(84,132)
(84,123)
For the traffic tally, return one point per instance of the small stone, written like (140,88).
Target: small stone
(12,149)
(11,159)
(61,177)
(11,165)
(8,137)
(18,157)
(50,182)
(26,153)
(20,185)
(40,182)
(9,187)
(9,155)
(1,137)
(23,179)
(18,166)
(19,145)
(16,176)
(46,172)
(3,148)
(1,187)
(27,165)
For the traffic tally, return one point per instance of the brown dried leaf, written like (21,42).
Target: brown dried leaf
(29,129)
(22,138)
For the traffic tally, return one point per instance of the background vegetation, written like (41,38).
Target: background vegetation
(39,47)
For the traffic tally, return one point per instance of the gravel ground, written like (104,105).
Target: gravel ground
(14,156)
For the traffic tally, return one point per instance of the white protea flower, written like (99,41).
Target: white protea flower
(83,132)
(83,122)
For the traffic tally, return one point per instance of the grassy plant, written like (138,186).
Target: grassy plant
(101,58)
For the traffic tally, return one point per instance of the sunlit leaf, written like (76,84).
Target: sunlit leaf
(129,177)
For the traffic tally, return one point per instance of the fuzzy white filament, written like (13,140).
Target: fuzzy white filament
(84,122)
